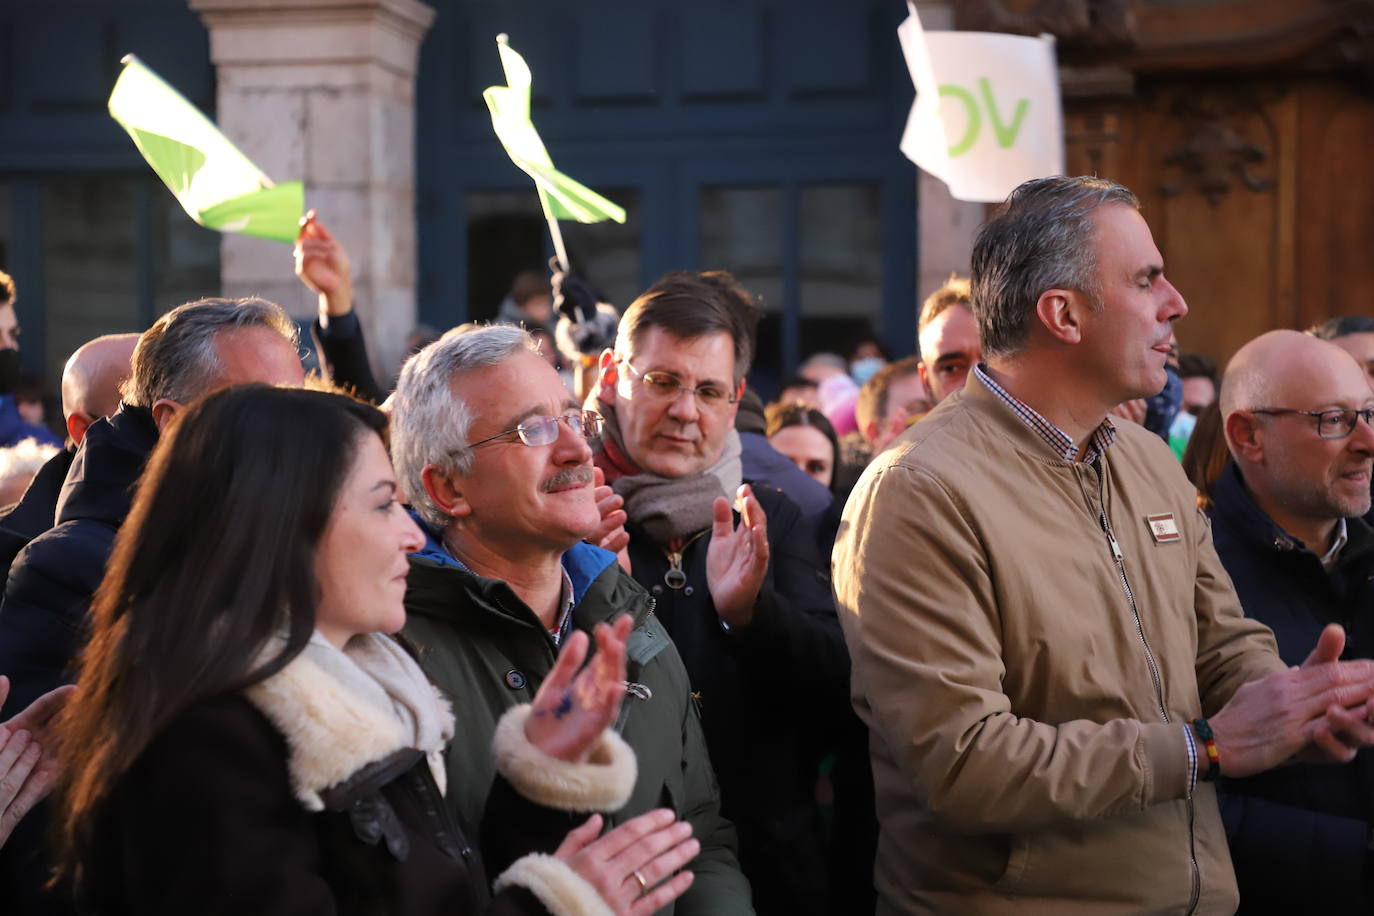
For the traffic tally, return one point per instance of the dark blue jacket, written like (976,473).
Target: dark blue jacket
(1299,834)
(43,616)
(774,700)
(34,513)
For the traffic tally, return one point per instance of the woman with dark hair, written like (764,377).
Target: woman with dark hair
(1207,454)
(805,436)
(245,739)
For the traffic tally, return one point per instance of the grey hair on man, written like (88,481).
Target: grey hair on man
(429,423)
(1041,238)
(176,359)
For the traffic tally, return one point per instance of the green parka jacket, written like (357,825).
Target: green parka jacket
(487,651)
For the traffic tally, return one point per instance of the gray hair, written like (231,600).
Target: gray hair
(177,359)
(429,423)
(1040,239)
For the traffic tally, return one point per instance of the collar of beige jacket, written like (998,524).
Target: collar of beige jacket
(982,402)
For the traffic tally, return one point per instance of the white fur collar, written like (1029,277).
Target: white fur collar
(332,729)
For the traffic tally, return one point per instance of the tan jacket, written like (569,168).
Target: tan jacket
(1027,726)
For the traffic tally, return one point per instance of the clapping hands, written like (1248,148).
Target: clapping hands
(27,755)
(573,707)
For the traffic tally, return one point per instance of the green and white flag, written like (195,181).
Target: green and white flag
(561,196)
(215,183)
(987,114)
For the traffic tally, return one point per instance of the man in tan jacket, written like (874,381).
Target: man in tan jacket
(1045,646)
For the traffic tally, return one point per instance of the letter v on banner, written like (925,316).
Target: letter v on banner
(987,114)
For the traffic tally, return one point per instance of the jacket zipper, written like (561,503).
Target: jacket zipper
(448,835)
(1195,889)
(1192,858)
(1135,612)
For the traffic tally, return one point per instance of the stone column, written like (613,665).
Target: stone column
(323,91)
(945,227)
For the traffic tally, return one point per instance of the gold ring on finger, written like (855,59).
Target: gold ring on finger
(643,885)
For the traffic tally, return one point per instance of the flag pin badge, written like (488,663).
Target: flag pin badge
(1163,527)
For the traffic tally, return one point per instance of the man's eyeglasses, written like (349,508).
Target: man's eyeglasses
(538,431)
(664,386)
(1331,424)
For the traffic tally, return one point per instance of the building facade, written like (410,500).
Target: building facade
(758,136)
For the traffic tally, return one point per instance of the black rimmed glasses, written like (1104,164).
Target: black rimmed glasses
(1336,423)
(538,431)
(664,386)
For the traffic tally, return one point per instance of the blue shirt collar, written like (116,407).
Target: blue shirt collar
(582,562)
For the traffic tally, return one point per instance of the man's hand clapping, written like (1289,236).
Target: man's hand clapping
(737,558)
(1319,712)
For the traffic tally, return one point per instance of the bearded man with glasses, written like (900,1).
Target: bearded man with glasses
(495,456)
(736,576)
(1287,527)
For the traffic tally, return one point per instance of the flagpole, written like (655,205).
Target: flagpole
(557,235)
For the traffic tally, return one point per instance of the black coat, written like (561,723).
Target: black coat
(206,822)
(343,351)
(774,699)
(1299,834)
(43,617)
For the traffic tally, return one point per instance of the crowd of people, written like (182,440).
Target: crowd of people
(1049,617)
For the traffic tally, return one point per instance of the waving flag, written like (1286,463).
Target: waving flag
(215,184)
(561,196)
(987,114)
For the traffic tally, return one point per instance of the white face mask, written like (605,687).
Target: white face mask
(861,370)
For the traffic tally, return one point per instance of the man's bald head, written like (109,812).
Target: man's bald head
(1277,367)
(91,380)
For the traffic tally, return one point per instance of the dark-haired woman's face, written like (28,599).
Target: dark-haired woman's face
(809,449)
(360,562)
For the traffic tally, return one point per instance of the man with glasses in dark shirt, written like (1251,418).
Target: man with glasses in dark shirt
(743,594)
(1286,523)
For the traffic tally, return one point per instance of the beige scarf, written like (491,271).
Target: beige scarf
(671,508)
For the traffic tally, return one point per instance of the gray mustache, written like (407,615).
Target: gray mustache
(578,475)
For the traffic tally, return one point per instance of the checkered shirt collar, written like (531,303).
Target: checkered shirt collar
(1053,436)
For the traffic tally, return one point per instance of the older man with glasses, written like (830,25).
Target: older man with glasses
(1287,527)
(495,457)
(742,591)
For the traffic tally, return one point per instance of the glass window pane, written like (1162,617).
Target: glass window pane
(505,236)
(741,231)
(507,233)
(608,253)
(185,255)
(90,262)
(93,245)
(841,265)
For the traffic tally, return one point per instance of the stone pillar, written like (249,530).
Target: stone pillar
(945,227)
(323,91)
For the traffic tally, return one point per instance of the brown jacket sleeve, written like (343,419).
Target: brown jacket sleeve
(916,597)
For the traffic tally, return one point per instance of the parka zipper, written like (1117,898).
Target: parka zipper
(1195,890)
